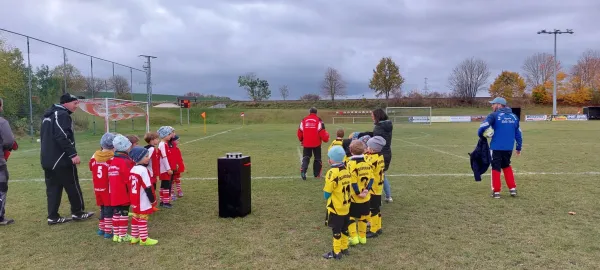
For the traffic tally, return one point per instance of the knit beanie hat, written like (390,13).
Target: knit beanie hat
(106,142)
(138,153)
(164,131)
(121,143)
(376,143)
(336,154)
(66,98)
(355,135)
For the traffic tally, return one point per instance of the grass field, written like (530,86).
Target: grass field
(440,217)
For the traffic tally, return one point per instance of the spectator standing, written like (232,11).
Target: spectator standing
(311,134)
(7,140)
(59,159)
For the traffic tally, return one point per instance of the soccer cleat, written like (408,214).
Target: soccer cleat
(353,241)
(134,240)
(82,216)
(59,220)
(362,240)
(346,252)
(149,242)
(331,255)
(100,232)
(108,235)
(127,238)
(513,192)
(6,221)
(117,239)
(496,195)
(388,199)
(303,175)
(371,235)
(180,194)
(154,208)
(173,197)
(380,231)
(166,205)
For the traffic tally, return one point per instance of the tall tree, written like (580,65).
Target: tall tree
(284,91)
(13,78)
(468,78)
(508,85)
(257,89)
(76,83)
(587,70)
(46,88)
(94,86)
(120,86)
(539,68)
(386,78)
(333,85)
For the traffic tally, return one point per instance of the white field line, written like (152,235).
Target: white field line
(210,136)
(433,149)
(474,144)
(425,135)
(389,175)
(299,154)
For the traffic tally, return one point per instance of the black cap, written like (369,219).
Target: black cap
(313,110)
(66,98)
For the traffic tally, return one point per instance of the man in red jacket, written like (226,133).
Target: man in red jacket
(311,133)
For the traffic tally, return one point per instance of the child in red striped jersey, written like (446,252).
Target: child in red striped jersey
(179,167)
(152,140)
(118,177)
(166,165)
(141,196)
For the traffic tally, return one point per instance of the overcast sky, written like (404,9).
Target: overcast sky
(204,46)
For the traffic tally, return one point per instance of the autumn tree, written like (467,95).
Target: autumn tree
(508,85)
(587,70)
(539,68)
(284,91)
(76,83)
(333,85)
(468,77)
(120,86)
(386,78)
(257,89)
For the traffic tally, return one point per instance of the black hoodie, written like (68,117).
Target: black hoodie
(57,138)
(384,129)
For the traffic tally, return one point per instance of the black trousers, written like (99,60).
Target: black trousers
(500,159)
(3,189)
(307,153)
(63,178)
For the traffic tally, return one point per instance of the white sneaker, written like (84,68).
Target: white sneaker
(389,199)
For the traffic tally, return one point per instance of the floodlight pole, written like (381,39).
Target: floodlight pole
(148,68)
(555,32)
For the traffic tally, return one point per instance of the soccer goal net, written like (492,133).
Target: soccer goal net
(419,115)
(111,109)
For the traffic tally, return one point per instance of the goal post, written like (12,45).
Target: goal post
(112,109)
(338,120)
(419,115)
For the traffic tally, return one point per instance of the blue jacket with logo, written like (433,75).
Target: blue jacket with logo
(506,130)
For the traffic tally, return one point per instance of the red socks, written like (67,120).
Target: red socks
(496,184)
(510,177)
(101,225)
(135,227)
(108,225)
(143,229)
(164,195)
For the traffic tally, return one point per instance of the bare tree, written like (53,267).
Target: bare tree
(193,94)
(587,69)
(284,91)
(120,86)
(94,86)
(538,69)
(468,78)
(333,85)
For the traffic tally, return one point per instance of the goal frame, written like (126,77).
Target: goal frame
(125,103)
(387,111)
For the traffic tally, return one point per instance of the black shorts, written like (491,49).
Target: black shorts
(500,159)
(338,223)
(359,209)
(375,201)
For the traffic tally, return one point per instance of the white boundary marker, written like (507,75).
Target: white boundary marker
(389,175)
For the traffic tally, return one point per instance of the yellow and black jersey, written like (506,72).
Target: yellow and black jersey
(337,184)
(377,162)
(361,173)
(336,142)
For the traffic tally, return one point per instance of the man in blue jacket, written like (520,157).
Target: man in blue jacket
(506,132)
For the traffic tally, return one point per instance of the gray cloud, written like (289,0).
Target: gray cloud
(205,45)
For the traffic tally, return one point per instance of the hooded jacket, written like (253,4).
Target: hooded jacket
(384,129)
(57,138)
(506,130)
(312,132)
(481,158)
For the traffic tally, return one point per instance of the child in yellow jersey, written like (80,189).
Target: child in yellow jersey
(337,194)
(338,140)
(361,177)
(373,157)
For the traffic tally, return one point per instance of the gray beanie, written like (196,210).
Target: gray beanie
(106,142)
(376,143)
(121,143)
(138,153)
(164,131)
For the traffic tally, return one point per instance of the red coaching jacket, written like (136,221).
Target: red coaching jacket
(312,131)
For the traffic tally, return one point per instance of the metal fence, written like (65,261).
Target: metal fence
(36,72)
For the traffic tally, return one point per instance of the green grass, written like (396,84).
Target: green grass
(440,217)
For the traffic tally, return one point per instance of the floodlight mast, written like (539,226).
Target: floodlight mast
(555,32)
(148,68)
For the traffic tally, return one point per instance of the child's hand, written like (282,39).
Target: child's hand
(170,172)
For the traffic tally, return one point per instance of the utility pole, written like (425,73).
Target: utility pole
(426,88)
(555,32)
(148,68)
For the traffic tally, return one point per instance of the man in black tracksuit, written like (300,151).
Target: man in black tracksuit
(59,160)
